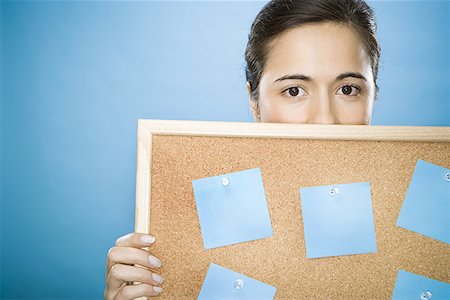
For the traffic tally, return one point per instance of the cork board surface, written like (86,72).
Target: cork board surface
(280,261)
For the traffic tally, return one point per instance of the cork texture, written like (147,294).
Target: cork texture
(280,261)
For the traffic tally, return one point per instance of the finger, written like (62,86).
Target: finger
(138,290)
(131,256)
(110,294)
(136,240)
(122,273)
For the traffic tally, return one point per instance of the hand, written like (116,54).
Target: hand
(120,272)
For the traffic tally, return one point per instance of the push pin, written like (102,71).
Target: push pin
(426,295)
(334,190)
(239,284)
(447,176)
(225,181)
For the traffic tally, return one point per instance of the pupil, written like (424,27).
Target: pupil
(347,90)
(293,91)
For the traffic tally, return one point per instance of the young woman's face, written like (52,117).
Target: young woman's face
(318,73)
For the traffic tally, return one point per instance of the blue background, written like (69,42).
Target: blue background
(76,76)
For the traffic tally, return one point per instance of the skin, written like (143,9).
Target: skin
(127,252)
(322,52)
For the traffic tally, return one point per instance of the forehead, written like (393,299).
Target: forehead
(317,50)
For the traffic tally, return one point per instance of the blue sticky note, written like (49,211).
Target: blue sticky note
(426,208)
(413,286)
(221,283)
(338,220)
(232,208)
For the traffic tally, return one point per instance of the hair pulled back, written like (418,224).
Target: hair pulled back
(280,15)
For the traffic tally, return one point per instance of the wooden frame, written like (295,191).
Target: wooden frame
(148,128)
(159,140)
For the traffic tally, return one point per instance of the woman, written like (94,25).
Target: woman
(310,61)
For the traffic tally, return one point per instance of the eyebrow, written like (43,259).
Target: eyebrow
(307,78)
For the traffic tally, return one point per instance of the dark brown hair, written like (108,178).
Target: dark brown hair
(280,15)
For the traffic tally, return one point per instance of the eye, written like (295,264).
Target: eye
(294,91)
(349,90)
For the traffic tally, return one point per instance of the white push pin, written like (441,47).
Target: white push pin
(225,181)
(239,284)
(426,295)
(447,176)
(334,190)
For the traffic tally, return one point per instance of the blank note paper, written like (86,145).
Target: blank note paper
(221,283)
(232,208)
(426,208)
(338,220)
(413,286)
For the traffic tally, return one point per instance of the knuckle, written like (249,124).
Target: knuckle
(112,253)
(107,294)
(126,291)
(115,271)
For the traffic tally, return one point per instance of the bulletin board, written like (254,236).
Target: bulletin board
(170,154)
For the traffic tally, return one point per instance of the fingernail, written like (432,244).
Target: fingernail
(157,289)
(148,239)
(154,261)
(157,278)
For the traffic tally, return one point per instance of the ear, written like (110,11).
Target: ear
(253,104)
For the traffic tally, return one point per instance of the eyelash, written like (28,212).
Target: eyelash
(284,92)
(358,89)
